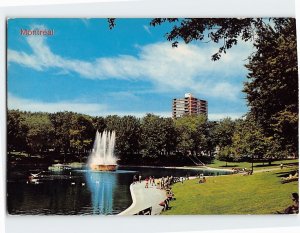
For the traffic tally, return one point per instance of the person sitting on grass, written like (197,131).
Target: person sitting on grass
(170,195)
(294,208)
(202,180)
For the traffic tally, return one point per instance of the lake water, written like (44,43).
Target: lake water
(79,192)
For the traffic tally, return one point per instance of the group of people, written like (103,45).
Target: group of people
(165,182)
(150,180)
(160,183)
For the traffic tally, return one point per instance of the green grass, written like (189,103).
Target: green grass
(260,193)
(256,166)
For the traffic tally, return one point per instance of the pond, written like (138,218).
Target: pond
(80,192)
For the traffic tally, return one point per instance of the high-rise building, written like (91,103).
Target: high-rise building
(188,105)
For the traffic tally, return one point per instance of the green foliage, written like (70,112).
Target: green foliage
(81,133)
(128,137)
(192,134)
(61,122)
(248,139)
(223,132)
(272,87)
(40,134)
(16,131)
(99,123)
(151,139)
(226,154)
(153,135)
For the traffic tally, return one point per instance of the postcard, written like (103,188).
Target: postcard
(152,116)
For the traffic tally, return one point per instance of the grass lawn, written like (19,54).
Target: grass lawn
(260,193)
(256,165)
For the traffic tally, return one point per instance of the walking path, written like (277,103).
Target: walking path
(143,198)
(266,170)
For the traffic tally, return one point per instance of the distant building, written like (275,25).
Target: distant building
(188,105)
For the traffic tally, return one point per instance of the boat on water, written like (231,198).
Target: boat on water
(103,167)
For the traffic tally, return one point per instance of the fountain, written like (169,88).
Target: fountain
(102,156)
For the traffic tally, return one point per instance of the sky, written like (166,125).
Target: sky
(130,70)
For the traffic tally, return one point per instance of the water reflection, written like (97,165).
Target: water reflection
(102,187)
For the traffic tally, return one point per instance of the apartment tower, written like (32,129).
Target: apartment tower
(188,105)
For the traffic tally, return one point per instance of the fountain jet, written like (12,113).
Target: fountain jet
(102,156)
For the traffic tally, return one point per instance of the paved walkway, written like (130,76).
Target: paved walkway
(143,198)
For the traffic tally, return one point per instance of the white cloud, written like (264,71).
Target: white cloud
(93,109)
(187,67)
(220,88)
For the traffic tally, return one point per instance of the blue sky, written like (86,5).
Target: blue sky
(129,70)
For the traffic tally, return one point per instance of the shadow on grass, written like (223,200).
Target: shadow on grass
(228,166)
(291,164)
(266,165)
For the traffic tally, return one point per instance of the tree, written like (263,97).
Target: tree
(250,142)
(99,123)
(61,122)
(81,133)
(226,154)
(16,131)
(223,133)
(211,138)
(40,132)
(272,87)
(128,138)
(192,136)
(171,136)
(152,135)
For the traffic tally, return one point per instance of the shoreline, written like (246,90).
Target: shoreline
(180,168)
